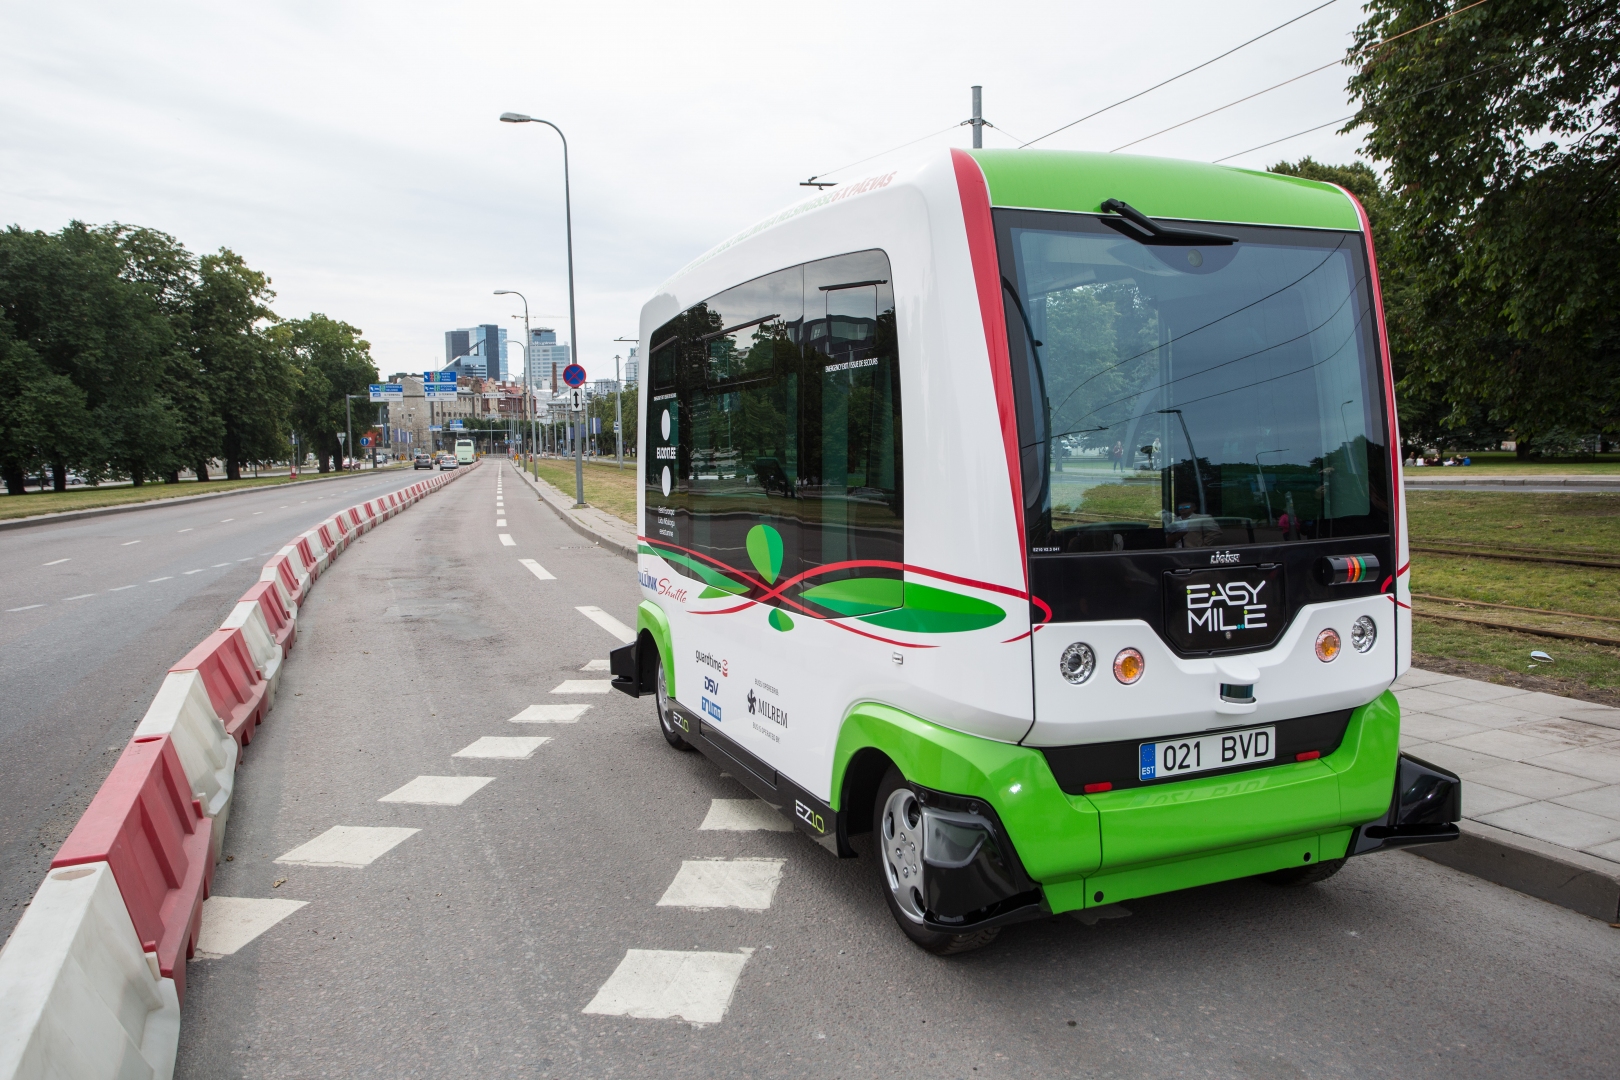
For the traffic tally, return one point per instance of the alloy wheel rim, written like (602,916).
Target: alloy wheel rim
(901,836)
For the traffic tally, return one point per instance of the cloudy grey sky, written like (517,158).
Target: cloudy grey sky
(351,149)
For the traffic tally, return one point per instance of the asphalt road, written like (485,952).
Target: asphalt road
(92,613)
(503,930)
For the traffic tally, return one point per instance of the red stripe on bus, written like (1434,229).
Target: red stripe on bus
(981,238)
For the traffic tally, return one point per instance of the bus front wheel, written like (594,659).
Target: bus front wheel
(666,714)
(897,835)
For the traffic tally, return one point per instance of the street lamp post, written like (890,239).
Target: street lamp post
(527,346)
(573,333)
(618,402)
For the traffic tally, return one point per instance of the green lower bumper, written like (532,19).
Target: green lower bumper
(1099,849)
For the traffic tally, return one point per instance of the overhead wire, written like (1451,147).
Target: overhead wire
(1180,75)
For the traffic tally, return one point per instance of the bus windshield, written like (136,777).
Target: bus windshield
(1204,395)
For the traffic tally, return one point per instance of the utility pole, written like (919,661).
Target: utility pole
(618,404)
(978,118)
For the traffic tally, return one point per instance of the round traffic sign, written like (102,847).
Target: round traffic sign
(574,375)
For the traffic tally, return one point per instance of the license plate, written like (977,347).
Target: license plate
(1180,757)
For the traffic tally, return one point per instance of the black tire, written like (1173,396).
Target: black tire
(666,721)
(1309,874)
(886,832)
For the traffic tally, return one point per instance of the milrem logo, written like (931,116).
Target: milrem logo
(758,706)
(1221,558)
(663,587)
(1209,607)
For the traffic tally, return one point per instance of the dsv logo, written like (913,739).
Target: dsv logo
(809,816)
(710,686)
(1208,606)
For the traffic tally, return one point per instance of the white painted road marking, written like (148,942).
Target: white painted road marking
(538,571)
(656,984)
(54,562)
(596,665)
(230,922)
(608,623)
(31,607)
(81,596)
(190,572)
(126,543)
(186,530)
(217,565)
(500,523)
(744,815)
(348,845)
(507,541)
(154,581)
(721,883)
(437,790)
(519,747)
(121,588)
(227,521)
(583,686)
(543,714)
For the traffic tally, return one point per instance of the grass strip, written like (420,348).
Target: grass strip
(34,504)
(609,489)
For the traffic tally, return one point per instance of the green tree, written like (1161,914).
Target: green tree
(249,378)
(332,361)
(1500,128)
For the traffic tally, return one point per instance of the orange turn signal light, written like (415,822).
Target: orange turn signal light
(1128,666)
(1327,645)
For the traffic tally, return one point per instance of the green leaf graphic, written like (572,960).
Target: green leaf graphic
(859,596)
(765,549)
(936,611)
(780,619)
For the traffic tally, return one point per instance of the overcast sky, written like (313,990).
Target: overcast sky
(352,151)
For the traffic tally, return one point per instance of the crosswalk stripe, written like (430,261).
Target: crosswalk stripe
(538,571)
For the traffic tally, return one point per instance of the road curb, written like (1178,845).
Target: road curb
(581,521)
(1558,875)
(102,511)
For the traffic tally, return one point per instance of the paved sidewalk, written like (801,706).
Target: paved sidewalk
(598,526)
(1541,781)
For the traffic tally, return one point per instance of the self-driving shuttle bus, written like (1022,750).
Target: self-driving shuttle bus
(1038,514)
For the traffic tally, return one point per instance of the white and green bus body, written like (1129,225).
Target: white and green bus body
(466,452)
(1041,510)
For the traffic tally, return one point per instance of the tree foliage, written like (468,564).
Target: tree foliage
(126,356)
(1498,128)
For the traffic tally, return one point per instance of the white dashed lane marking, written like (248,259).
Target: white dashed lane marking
(743,815)
(657,984)
(230,922)
(25,607)
(54,562)
(437,790)
(190,572)
(126,543)
(550,714)
(583,686)
(507,541)
(348,845)
(749,884)
(154,581)
(187,530)
(81,596)
(595,665)
(608,623)
(121,588)
(517,748)
(538,571)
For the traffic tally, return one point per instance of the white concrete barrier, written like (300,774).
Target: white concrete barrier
(248,617)
(317,548)
(78,998)
(183,711)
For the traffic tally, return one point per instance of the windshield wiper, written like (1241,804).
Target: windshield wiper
(1144,230)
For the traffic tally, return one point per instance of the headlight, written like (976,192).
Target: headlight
(1327,645)
(1128,666)
(1077,662)
(1363,634)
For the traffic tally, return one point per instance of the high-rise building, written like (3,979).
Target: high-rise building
(632,367)
(457,343)
(477,350)
(544,352)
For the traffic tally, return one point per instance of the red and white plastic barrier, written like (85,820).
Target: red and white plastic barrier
(92,976)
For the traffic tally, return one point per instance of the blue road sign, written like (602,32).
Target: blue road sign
(574,375)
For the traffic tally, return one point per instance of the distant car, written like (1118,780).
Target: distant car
(423,461)
(447,462)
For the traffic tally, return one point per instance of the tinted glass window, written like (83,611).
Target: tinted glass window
(783,410)
(1195,395)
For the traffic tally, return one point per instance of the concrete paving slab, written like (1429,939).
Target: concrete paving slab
(1460,761)
(1479,690)
(1556,824)
(1427,727)
(1531,781)
(1603,801)
(1430,701)
(1511,745)
(1572,732)
(1489,714)
(1417,677)
(1480,799)
(1601,763)
(1609,851)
